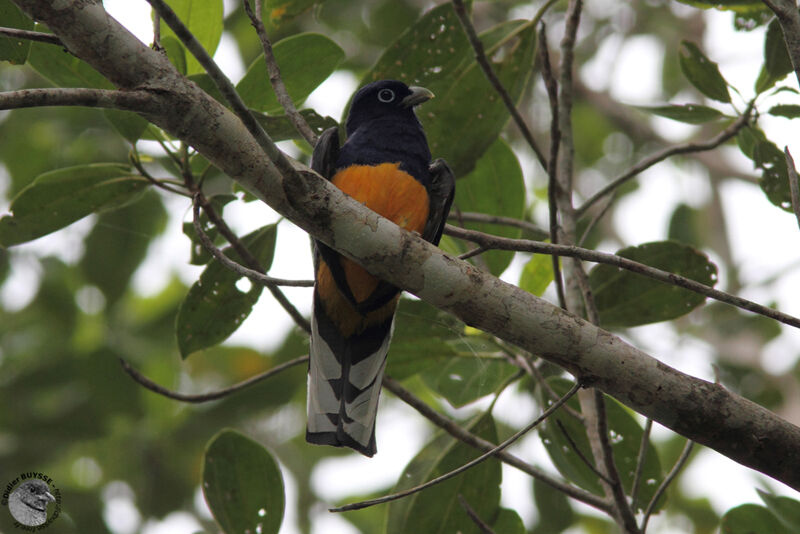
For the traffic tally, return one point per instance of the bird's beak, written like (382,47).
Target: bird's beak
(418,96)
(49,496)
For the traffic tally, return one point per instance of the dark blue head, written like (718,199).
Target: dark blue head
(385,99)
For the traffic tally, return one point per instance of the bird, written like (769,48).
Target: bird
(28,503)
(385,163)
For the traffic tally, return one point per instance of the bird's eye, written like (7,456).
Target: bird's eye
(32,489)
(385,95)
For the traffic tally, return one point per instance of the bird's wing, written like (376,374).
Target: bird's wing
(440,195)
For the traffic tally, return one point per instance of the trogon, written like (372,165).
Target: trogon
(385,164)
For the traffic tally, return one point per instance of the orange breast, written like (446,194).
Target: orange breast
(394,194)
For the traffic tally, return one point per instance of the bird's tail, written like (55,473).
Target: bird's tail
(344,381)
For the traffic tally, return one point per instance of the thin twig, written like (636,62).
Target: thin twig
(794,189)
(133,157)
(252,274)
(665,153)
(471,216)
(213,395)
(525,245)
(491,452)
(687,450)
(227,90)
(483,62)
(623,507)
(281,93)
(134,100)
(157,32)
(472,514)
(582,457)
(477,442)
(28,35)
(472,253)
(555,142)
(640,461)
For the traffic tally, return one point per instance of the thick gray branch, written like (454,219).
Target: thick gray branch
(704,412)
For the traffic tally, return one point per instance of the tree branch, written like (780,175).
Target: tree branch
(28,35)
(483,62)
(665,153)
(524,245)
(793,187)
(789,19)
(138,100)
(702,411)
(455,472)
(275,79)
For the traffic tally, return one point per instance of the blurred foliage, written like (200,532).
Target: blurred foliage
(69,313)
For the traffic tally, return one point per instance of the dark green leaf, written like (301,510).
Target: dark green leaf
(508,522)
(14,50)
(555,512)
(63,69)
(436,510)
(305,60)
(204,20)
(790,111)
(777,63)
(624,298)
(685,225)
(434,53)
(702,72)
(748,140)
(690,113)
(462,380)
(625,435)
(242,484)
(786,509)
(495,187)
(58,198)
(281,128)
(118,243)
(751,519)
(215,306)
(774,174)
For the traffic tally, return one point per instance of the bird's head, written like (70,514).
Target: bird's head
(35,494)
(385,99)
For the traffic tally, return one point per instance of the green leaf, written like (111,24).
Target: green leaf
(689,113)
(786,509)
(176,53)
(434,52)
(242,484)
(790,111)
(204,20)
(494,187)
(463,380)
(702,72)
(625,435)
(751,519)
(305,60)
(537,274)
(215,306)
(777,63)
(774,174)
(58,198)
(685,225)
(63,69)
(436,510)
(199,255)
(130,125)
(118,243)
(14,51)
(280,128)
(624,298)
(280,11)
(555,512)
(748,140)
(508,522)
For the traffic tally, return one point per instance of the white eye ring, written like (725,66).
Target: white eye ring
(385,95)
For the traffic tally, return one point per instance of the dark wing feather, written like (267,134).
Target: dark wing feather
(440,194)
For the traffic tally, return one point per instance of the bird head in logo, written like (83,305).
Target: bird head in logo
(28,503)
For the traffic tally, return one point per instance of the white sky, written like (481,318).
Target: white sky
(763,240)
